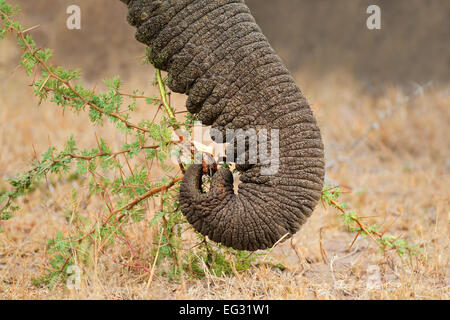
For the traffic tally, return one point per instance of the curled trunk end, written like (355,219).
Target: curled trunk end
(215,52)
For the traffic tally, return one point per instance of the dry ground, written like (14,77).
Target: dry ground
(398,173)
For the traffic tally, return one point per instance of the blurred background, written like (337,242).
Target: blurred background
(386,137)
(321,37)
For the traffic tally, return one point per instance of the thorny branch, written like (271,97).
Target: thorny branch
(383,241)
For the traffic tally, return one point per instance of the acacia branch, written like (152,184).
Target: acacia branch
(133,203)
(67,83)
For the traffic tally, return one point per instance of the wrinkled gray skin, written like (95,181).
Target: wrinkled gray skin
(215,53)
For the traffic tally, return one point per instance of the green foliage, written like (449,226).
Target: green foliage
(121,177)
(350,219)
(330,194)
(219,261)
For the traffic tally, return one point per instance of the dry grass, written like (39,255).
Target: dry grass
(399,174)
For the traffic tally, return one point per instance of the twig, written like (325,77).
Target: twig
(360,224)
(162,91)
(133,203)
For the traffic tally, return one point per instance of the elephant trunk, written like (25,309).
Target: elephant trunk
(214,52)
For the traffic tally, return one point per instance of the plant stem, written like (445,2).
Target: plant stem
(162,91)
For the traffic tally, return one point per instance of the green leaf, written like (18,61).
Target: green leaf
(157,217)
